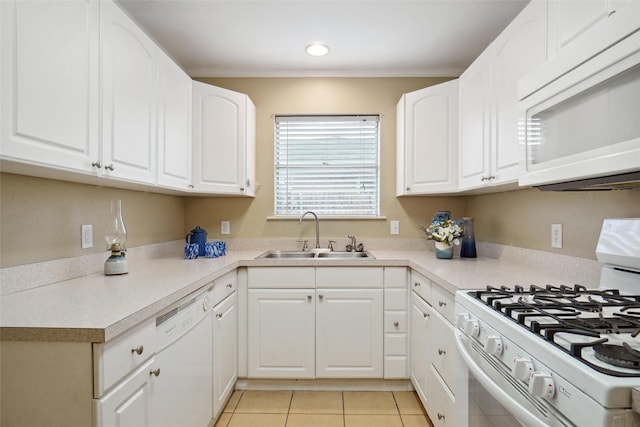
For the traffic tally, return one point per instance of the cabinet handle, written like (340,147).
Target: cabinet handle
(417,284)
(442,303)
(97,164)
(309,297)
(155,372)
(440,416)
(320,297)
(441,352)
(229,285)
(192,186)
(219,315)
(611,13)
(396,323)
(426,315)
(408,189)
(109,167)
(139,349)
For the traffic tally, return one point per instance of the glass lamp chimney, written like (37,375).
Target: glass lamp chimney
(116,232)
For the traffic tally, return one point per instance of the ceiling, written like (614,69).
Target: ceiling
(375,38)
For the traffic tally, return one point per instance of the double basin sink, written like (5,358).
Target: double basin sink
(314,255)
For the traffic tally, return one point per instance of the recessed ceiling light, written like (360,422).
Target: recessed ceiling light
(317,49)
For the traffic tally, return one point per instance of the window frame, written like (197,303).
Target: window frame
(377,166)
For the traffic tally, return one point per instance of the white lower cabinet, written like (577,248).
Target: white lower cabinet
(330,332)
(128,404)
(349,333)
(225,351)
(281,333)
(435,364)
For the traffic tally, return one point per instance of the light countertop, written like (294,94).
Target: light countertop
(97,308)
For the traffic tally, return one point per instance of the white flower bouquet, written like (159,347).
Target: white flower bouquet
(447,232)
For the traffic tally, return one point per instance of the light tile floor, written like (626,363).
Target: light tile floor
(255,408)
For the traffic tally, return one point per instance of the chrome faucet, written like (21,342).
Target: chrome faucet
(317,225)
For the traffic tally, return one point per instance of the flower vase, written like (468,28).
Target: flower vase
(444,250)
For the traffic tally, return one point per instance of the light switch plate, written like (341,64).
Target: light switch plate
(87,236)
(556,236)
(225,227)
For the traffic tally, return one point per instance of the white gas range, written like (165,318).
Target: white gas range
(559,356)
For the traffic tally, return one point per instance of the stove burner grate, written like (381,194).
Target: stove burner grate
(621,356)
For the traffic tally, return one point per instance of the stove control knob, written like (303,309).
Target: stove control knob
(541,385)
(493,345)
(461,320)
(522,368)
(472,327)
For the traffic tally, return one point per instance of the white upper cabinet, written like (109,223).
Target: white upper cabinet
(49,87)
(223,141)
(128,97)
(427,140)
(174,125)
(490,150)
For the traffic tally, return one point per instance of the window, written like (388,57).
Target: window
(327,164)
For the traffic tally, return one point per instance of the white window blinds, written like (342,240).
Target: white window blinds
(327,164)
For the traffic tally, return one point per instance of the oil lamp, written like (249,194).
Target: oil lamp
(116,237)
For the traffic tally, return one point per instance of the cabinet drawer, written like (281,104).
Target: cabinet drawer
(349,277)
(395,344)
(420,284)
(441,406)
(395,299)
(223,286)
(444,351)
(443,302)
(395,367)
(395,321)
(281,277)
(395,277)
(115,359)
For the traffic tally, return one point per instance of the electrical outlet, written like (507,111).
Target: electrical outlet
(395,227)
(87,236)
(556,236)
(225,227)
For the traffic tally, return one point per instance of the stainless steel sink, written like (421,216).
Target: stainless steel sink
(345,255)
(286,254)
(320,255)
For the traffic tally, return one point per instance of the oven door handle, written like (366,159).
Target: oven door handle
(521,413)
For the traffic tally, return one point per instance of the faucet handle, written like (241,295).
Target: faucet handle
(305,246)
(331,242)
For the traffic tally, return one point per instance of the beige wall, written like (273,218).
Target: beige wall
(40,219)
(523,218)
(319,95)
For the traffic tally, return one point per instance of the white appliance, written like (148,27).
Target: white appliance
(557,356)
(581,111)
(183,389)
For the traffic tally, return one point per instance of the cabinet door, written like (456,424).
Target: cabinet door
(420,314)
(49,88)
(225,351)
(519,49)
(281,333)
(567,20)
(223,140)
(475,121)
(349,328)
(128,98)
(427,143)
(127,405)
(441,406)
(174,125)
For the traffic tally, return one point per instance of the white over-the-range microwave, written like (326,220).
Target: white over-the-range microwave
(581,113)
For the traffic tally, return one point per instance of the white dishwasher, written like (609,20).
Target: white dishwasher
(182,375)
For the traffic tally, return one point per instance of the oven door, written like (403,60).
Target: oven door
(494,397)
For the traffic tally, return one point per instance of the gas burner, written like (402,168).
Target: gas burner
(622,356)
